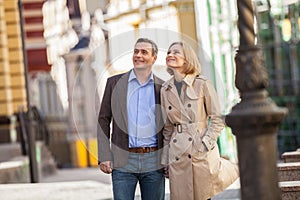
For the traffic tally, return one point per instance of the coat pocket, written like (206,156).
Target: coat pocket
(199,145)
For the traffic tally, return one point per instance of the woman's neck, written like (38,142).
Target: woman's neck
(178,76)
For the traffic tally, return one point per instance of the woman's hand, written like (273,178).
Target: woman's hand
(166,171)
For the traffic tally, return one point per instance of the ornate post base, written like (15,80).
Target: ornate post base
(255,121)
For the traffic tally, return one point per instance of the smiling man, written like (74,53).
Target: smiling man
(131,151)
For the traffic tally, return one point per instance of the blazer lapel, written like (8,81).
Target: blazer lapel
(120,96)
(158,111)
(157,87)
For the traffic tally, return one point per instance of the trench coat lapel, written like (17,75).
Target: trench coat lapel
(174,99)
(190,92)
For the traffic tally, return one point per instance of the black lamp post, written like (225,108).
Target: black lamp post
(33,165)
(256,119)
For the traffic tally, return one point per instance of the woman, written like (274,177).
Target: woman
(194,166)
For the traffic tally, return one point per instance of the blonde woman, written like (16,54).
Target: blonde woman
(193,124)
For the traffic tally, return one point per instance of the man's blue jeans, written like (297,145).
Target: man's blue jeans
(140,168)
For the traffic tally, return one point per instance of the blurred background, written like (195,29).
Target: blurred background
(55,57)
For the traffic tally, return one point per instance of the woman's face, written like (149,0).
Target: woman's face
(175,57)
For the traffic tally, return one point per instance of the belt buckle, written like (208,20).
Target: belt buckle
(144,149)
(179,128)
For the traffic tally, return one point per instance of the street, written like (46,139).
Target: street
(81,183)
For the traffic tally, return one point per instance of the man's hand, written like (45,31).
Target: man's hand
(106,167)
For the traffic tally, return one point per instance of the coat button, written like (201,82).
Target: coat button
(189,156)
(176,158)
(190,139)
(174,140)
(170,107)
(190,122)
(189,105)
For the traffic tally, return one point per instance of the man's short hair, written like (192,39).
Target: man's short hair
(154,46)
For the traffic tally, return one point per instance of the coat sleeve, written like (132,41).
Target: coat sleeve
(103,128)
(167,133)
(213,111)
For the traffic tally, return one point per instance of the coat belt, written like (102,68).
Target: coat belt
(179,127)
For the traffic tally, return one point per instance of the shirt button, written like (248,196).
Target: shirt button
(189,105)
(189,156)
(170,107)
(190,122)
(190,139)
(174,140)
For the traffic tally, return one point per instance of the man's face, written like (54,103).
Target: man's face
(142,56)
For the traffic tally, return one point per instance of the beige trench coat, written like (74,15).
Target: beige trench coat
(196,170)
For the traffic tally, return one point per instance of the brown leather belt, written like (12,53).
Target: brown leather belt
(142,149)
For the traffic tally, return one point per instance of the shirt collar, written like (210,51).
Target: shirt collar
(132,76)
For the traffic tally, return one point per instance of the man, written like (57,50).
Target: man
(131,101)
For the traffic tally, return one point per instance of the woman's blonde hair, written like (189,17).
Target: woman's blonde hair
(192,62)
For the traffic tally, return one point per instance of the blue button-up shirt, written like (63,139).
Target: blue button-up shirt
(141,112)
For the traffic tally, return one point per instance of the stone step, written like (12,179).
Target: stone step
(9,150)
(288,171)
(291,156)
(15,170)
(290,190)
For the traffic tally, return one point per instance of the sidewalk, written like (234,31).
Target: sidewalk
(81,183)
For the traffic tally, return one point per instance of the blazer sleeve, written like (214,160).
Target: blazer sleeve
(213,111)
(104,121)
